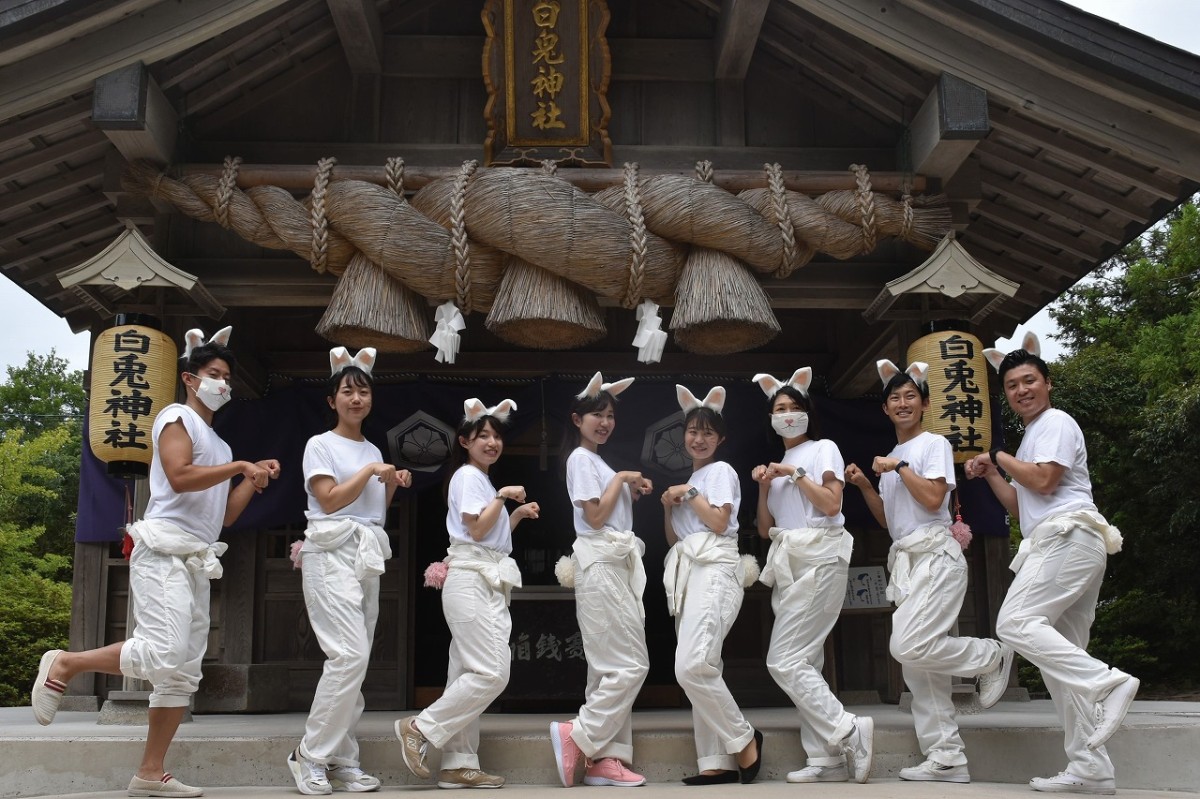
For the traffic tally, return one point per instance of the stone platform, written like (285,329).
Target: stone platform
(1154,751)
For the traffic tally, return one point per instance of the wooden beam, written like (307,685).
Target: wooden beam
(731,112)
(915,32)
(1044,232)
(51,189)
(78,149)
(950,123)
(1076,185)
(51,120)
(1058,207)
(1010,122)
(67,25)
(32,224)
(1054,273)
(359,30)
(302,177)
(47,247)
(135,115)
(157,33)
(738,28)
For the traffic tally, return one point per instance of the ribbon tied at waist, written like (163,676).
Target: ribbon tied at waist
(613,546)
(371,550)
(1064,523)
(166,538)
(930,538)
(803,545)
(704,547)
(497,569)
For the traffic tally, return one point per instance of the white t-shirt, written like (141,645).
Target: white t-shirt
(788,504)
(1054,437)
(718,483)
(201,513)
(930,456)
(332,455)
(588,477)
(470,492)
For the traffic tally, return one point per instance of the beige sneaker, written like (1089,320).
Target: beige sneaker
(468,778)
(414,747)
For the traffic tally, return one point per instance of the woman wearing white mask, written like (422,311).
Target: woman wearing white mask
(800,511)
(1048,612)
(705,582)
(349,490)
(175,554)
(928,577)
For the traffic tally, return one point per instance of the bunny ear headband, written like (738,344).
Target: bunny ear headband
(195,338)
(800,380)
(474,409)
(1029,343)
(339,359)
(714,400)
(597,385)
(917,370)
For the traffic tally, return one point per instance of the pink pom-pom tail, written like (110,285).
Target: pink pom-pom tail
(435,574)
(294,554)
(960,529)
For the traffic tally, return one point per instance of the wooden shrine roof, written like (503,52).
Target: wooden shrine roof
(1094,129)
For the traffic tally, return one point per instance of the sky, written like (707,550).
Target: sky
(25,324)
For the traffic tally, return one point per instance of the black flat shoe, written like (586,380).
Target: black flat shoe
(751,771)
(723,778)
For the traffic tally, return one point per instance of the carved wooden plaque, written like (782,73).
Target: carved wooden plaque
(546,65)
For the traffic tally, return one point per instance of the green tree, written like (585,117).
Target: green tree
(43,393)
(35,587)
(1130,380)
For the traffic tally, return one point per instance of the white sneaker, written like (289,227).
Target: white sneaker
(993,683)
(1066,782)
(352,779)
(929,771)
(1111,710)
(309,776)
(859,745)
(820,774)
(167,786)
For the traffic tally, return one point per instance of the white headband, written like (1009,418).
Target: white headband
(339,360)
(917,370)
(474,409)
(714,400)
(800,380)
(195,338)
(1029,343)
(597,385)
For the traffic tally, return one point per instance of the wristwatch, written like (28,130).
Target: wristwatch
(690,494)
(796,475)
(900,465)
(500,497)
(992,454)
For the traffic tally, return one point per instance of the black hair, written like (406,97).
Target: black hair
(806,405)
(582,407)
(1020,358)
(201,356)
(706,419)
(355,375)
(469,429)
(899,380)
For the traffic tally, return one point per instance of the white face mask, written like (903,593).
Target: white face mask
(213,393)
(790,425)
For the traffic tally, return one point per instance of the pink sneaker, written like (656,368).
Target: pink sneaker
(566,751)
(610,771)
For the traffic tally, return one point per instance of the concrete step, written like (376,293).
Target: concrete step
(1008,744)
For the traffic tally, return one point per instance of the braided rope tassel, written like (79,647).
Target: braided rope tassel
(637,237)
(458,237)
(225,189)
(787,230)
(866,205)
(320,223)
(393,170)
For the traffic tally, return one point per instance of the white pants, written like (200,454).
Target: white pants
(805,613)
(710,607)
(614,642)
(930,657)
(342,611)
(1047,617)
(480,627)
(171,621)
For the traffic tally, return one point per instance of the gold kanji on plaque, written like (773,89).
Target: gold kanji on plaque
(546,65)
